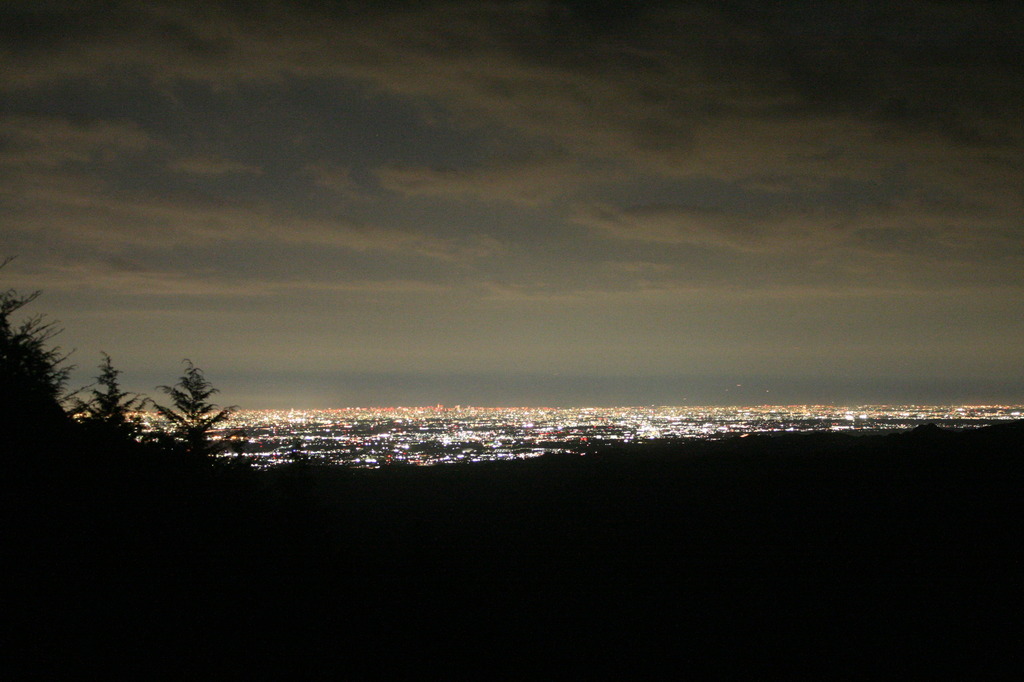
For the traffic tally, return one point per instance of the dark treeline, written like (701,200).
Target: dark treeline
(39,414)
(896,555)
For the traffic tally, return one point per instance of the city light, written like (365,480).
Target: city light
(375,437)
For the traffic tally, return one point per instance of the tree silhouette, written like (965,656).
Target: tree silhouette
(193,415)
(33,373)
(111,411)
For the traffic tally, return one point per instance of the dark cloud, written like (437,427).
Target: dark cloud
(213,165)
(507,183)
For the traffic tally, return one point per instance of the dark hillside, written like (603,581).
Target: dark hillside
(898,553)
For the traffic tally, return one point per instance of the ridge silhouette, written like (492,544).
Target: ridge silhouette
(819,552)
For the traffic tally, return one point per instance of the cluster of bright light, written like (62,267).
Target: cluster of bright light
(371,437)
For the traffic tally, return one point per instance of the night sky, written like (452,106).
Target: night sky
(525,203)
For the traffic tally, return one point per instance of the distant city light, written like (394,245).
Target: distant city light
(373,437)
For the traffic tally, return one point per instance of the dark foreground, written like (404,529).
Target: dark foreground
(897,554)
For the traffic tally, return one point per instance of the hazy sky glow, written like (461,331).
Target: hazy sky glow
(494,203)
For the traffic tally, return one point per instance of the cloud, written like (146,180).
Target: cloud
(711,89)
(883,134)
(693,225)
(528,182)
(120,276)
(902,242)
(213,165)
(50,142)
(544,68)
(89,215)
(334,177)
